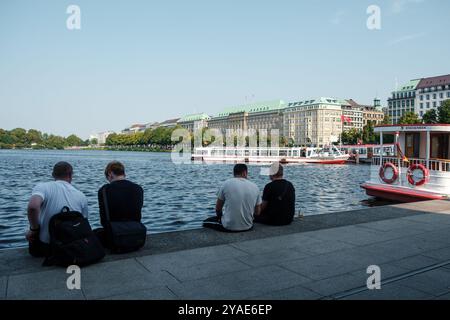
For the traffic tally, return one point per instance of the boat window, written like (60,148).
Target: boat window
(439,148)
(412,145)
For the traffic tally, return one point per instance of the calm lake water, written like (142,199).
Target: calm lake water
(177,197)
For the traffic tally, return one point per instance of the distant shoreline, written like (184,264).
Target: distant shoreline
(124,149)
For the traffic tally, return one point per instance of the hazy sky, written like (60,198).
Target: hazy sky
(142,61)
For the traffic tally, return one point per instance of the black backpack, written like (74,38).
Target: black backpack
(72,241)
(124,236)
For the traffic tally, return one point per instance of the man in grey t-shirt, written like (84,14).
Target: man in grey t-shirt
(48,199)
(238,200)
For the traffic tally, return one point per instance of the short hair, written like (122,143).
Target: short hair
(62,170)
(239,169)
(276,169)
(115,167)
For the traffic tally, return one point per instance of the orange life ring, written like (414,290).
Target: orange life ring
(394,173)
(425,173)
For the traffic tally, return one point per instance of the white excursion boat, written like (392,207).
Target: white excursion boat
(419,169)
(327,155)
(365,152)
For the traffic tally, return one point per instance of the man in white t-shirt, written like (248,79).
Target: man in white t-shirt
(48,199)
(238,200)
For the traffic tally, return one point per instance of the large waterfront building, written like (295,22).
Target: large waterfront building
(431,92)
(171,123)
(373,113)
(135,128)
(194,122)
(419,96)
(313,122)
(352,113)
(262,115)
(402,101)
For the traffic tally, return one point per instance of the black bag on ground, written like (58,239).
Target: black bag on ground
(124,236)
(72,241)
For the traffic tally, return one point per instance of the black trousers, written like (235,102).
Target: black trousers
(103,237)
(38,249)
(216,224)
(266,219)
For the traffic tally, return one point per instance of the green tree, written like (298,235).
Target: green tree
(368,134)
(386,119)
(74,141)
(93,141)
(409,118)
(20,134)
(430,116)
(33,136)
(351,136)
(55,142)
(444,112)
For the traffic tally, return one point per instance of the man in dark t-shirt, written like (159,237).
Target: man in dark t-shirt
(278,206)
(125,199)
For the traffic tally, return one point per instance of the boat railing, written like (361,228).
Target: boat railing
(431,164)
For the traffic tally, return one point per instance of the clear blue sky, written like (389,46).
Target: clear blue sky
(141,61)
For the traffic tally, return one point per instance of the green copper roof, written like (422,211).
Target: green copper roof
(411,85)
(320,100)
(255,107)
(194,117)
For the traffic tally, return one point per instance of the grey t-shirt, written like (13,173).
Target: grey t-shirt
(240,196)
(56,195)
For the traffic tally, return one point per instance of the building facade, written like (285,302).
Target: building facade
(101,137)
(194,122)
(402,101)
(135,128)
(373,113)
(352,115)
(257,116)
(431,92)
(313,122)
(171,123)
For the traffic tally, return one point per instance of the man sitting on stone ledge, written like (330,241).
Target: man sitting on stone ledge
(47,199)
(278,200)
(238,201)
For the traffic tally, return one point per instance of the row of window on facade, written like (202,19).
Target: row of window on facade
(434,95)
(428,104)
(446,87)
(402,95)
(403,103)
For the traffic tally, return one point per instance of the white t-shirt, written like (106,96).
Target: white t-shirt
(56,195)
(240,196)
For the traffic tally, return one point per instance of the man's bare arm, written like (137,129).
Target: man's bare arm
(257,210)
(264,205)
(219,207)
(34,209)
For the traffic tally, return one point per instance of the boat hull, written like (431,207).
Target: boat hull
(400,194)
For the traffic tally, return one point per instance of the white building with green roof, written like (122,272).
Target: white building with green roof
(402,100)
(313,122)
(257,116)
(194,122)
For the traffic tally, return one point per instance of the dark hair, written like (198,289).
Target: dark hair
(115,167)
(239,169)
(62,170)
(277,165)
